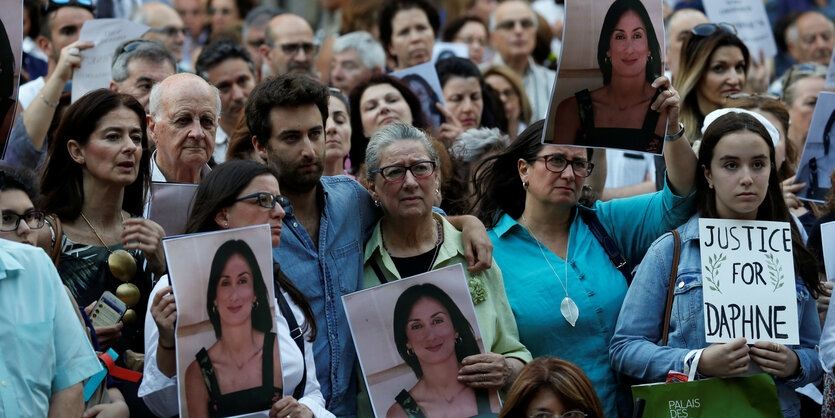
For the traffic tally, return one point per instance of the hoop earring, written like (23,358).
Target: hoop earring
(649,59)
(255,305)
(607,60)
(214,309)
(410,352)
(458,340)
(377,203)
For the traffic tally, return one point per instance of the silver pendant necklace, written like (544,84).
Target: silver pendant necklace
(568,308)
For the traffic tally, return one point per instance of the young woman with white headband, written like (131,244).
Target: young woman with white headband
(736,179)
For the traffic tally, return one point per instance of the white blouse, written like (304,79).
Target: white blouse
(160,391)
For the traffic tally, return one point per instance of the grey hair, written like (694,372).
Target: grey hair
(474,143)
(388,135)
(491,24)
(370,51)
(155,100)
(154,52)
(258,18)
(794,35)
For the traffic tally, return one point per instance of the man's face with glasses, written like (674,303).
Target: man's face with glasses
(19,221)
(167,28)
(515,32)
(292,48)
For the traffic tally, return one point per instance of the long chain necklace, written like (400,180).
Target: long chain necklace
(568,308)
(440,233)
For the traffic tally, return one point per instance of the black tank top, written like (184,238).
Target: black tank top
(644,139)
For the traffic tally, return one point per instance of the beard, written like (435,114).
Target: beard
(296,179)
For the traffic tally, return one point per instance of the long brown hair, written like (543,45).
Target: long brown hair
(696,52)
(562,377)
(773,207)
(62,183)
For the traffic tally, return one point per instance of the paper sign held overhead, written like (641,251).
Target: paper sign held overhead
(106,35)
(750,20)
(828,247)
(748,281)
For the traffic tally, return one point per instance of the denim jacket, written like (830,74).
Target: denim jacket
(325,273)
(635,349)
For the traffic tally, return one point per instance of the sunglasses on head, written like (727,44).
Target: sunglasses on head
(707,29)
(754,95)
(53,5)
(798,71)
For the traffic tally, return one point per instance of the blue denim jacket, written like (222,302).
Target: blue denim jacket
(326,273)
(635,349)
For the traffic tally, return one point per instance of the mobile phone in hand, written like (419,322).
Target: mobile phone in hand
(108,310)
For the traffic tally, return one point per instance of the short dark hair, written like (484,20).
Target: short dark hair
(34,9)
(151,51)
(62,180)
(261,315)
(457,67)
(286,90)
(23,179)
(218,51)
(403,308)
(616,10)
(391,9)
(48,13)
(358,138)
(453,27)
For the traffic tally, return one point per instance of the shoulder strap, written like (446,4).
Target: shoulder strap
(671,288)
(586,110)
(57,233)
(377,270)
(208,372)
(267,357)
(405,400)
(298,338)
(482,399)
(612,250)
(651,118)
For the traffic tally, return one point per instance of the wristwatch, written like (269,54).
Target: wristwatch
(676,135)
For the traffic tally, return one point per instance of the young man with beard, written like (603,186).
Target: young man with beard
(327,224)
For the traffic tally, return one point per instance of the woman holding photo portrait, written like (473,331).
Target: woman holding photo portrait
(433,337)
(237,194)
(620,114)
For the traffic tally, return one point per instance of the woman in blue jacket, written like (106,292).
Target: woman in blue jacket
(737,179)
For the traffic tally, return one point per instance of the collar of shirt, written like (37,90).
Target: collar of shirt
(450,246)
(7,261)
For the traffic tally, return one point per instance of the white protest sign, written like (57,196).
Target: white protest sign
(748,281)
(750,20)
(830,74)
(106,35)
(828,247)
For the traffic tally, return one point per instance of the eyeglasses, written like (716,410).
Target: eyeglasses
(511,24)
(170,31)
(10,221)
(397,173)
(53,5)
(569,414)
(267,200)
(293,49)
(556,163)
(223,10)
(707,29)
(754,95)
(256,43)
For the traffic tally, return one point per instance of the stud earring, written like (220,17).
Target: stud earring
(226,224)
(525,185)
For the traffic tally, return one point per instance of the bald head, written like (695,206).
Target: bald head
(513,30)
(289,45)
(166,25)
(678,25)
(183,122)
(811,38)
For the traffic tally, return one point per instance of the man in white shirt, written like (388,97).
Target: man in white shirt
(513,37)
(227,66)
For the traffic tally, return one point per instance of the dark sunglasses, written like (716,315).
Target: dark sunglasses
(53,5)
(293,49)
(170,31)
(707,29)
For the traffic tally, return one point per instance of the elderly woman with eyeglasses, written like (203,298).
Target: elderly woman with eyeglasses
(411,239)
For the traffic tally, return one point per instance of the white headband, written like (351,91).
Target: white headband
(712,116)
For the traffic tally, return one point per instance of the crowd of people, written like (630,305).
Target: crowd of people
(287,113)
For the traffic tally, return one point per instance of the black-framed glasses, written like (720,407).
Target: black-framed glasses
(10,221)
(397,172)
(52,5)
(267,200)
(170,31)
(256,43)
(707,29)
(570,414)
(557,164)
(293,49)
(526,23)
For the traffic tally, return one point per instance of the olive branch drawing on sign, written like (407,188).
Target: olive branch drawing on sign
(714,263)
(775,272)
